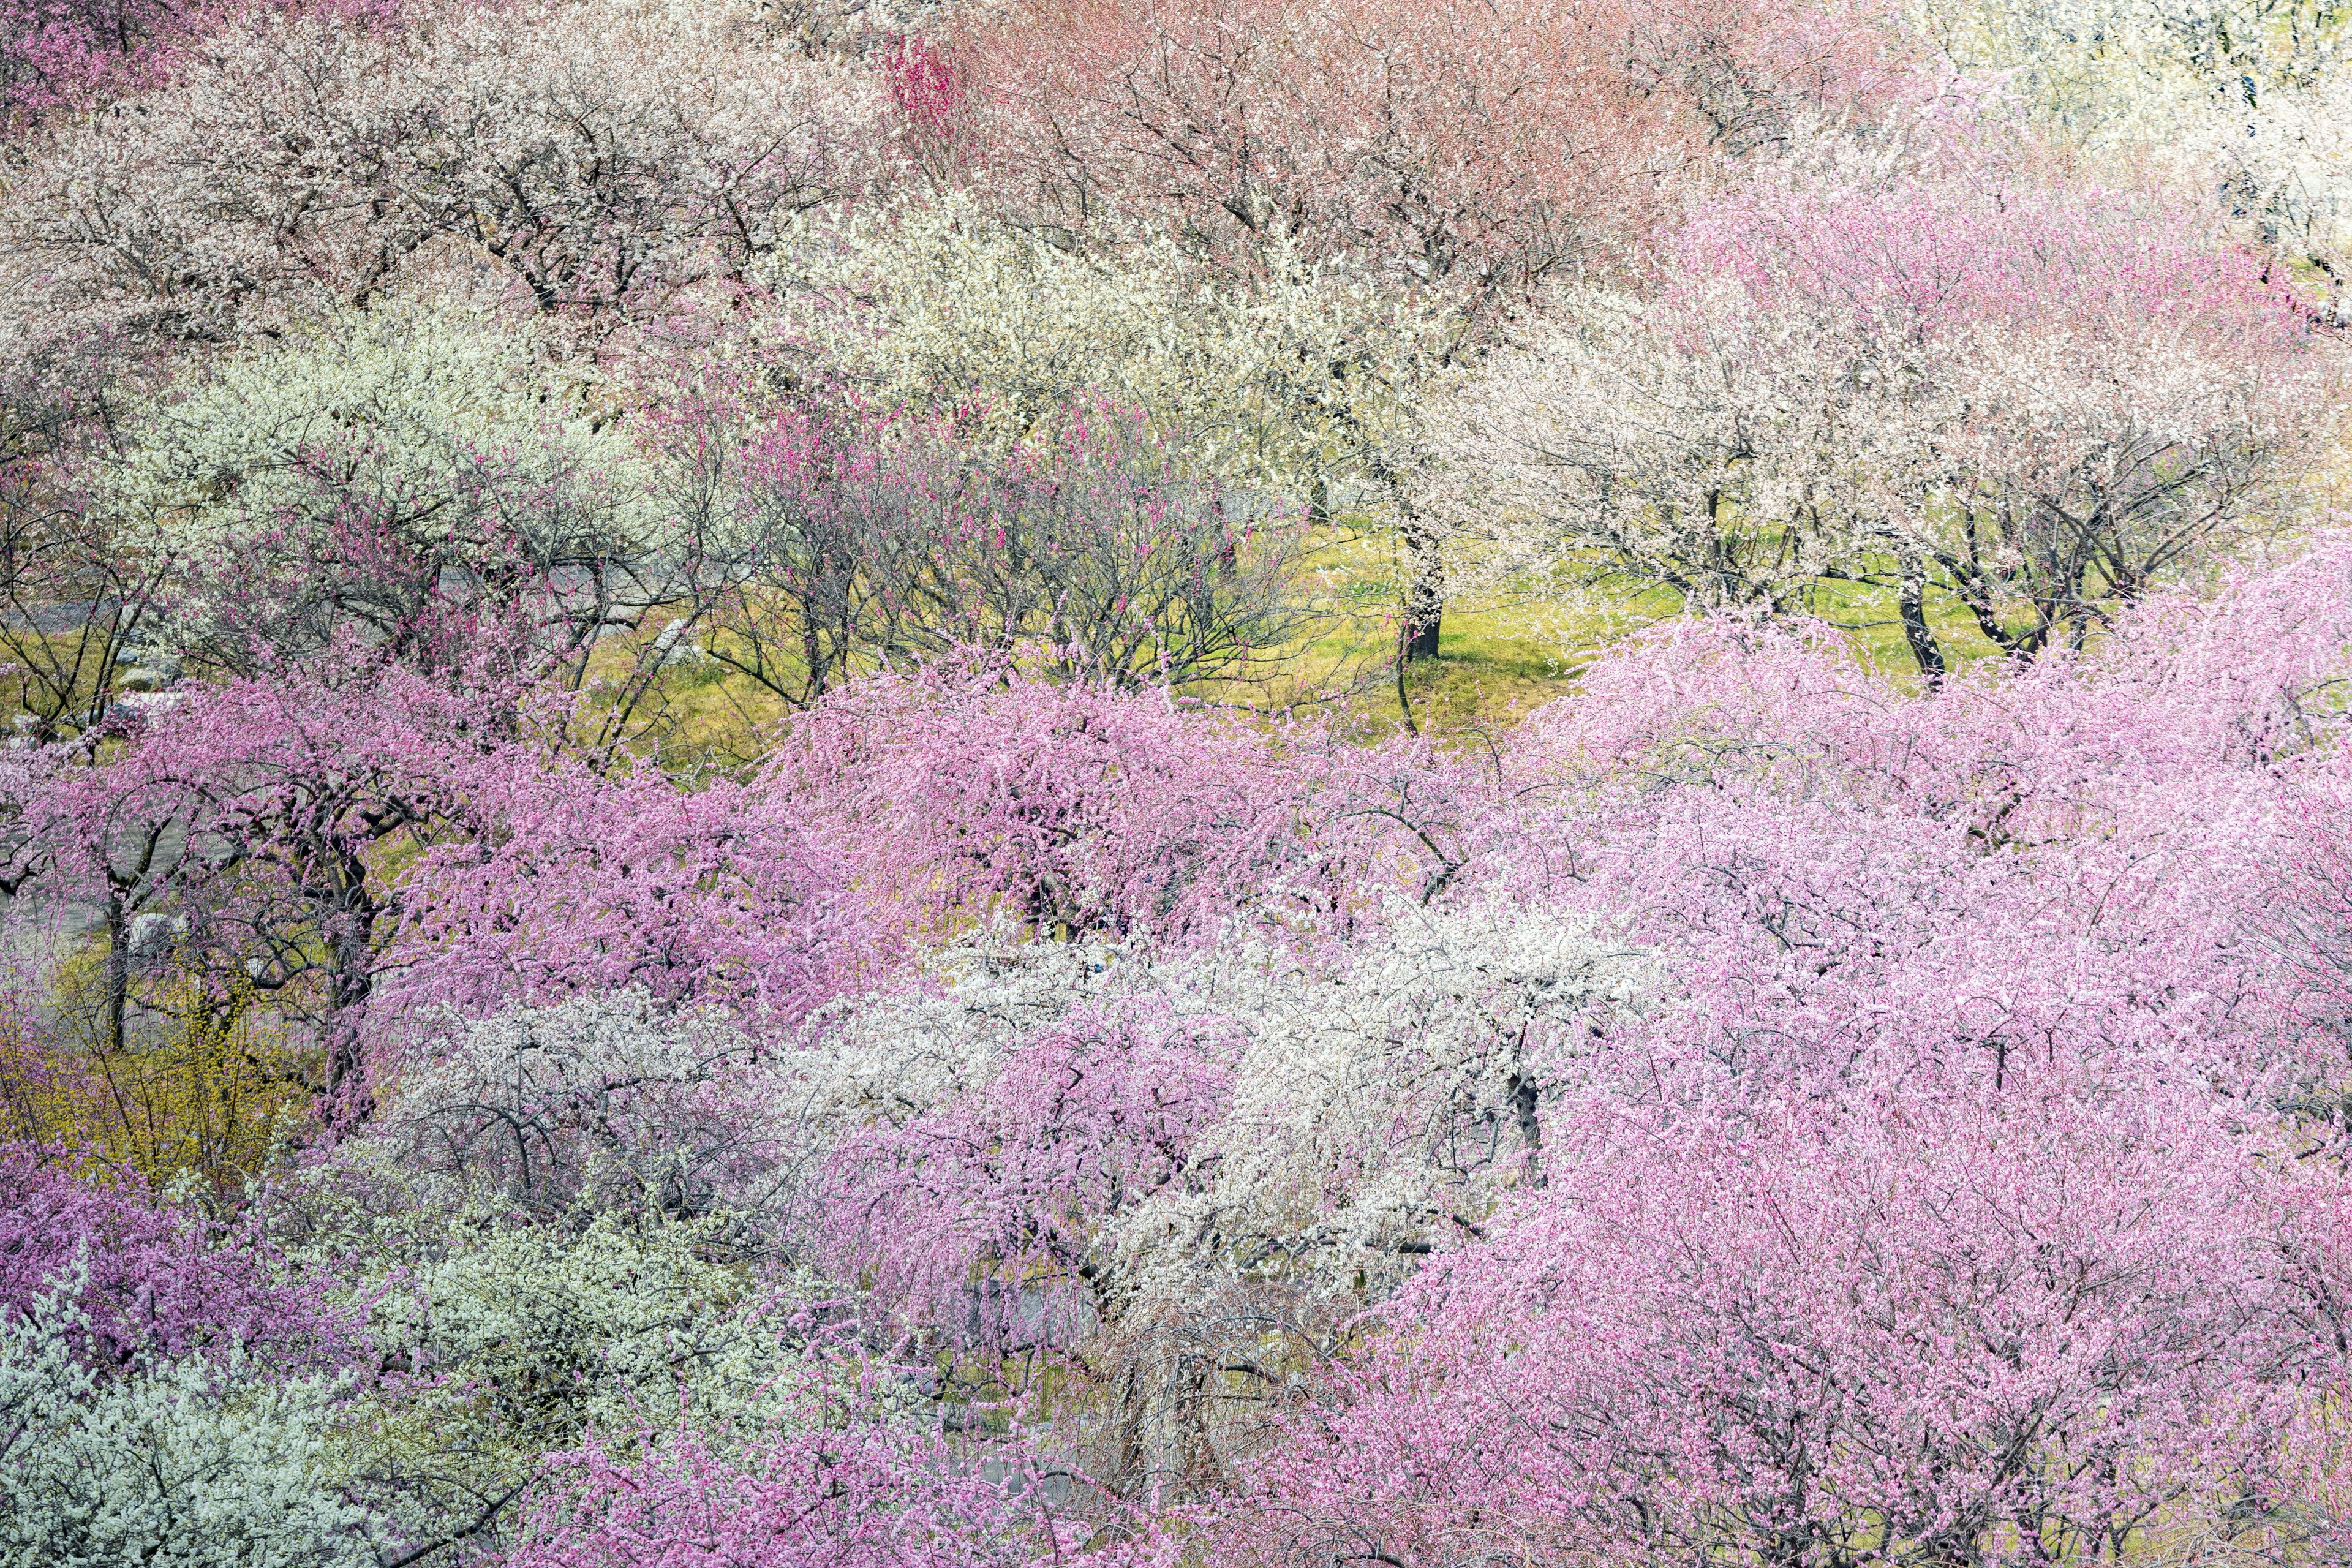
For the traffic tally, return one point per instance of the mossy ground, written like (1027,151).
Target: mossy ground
(1502,653)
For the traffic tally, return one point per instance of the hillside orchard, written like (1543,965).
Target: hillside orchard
(716,850)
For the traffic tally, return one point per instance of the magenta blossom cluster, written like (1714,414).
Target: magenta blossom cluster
(150,1279)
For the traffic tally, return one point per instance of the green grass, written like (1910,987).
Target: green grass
(1502,654)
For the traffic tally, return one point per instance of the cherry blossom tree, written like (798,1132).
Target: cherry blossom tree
(897,810)
(58,54)
(1489,146)
(595,158)
(868,1493)
(968,791)
(143,1277)
(828,546)
(1860,883)
(1948,1333)
(254,814)
(591,884)
(2029,404)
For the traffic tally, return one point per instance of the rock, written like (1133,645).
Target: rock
(151,935)
(676,648)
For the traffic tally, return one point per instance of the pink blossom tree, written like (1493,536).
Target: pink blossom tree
(55,53)
(1935,1332)
(1473,145)
(256,812)
(154,1279)
(900,808)
(591,884)
(866,1493)
(1073,808)
(1954,1205)
(1019,1179)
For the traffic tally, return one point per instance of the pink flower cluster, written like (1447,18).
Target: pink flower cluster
(149,1279)
(1961,1180)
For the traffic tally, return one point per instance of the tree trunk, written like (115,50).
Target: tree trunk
(1424,593)
(1911,602)
(351,981)
(118,972)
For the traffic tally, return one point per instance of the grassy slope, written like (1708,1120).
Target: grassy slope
(1501,656)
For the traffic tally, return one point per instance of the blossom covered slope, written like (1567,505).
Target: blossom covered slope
(717,853)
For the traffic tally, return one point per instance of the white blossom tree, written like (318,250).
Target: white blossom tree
(1306,380)
(188,1462)
(368,469)
(2242,100)
(594,158)
(1192,1172)
(2030,404)
(1312,375)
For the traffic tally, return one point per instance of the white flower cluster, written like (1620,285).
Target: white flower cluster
(493,1337)
(196,1463)
(602,1100)
(1377,1104)
(1741,459)
(1312,372)
(1732,471)
(578,157)
(443,422)
(2254,97)
(1381,1107)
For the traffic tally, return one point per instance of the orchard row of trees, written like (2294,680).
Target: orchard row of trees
(1728,306)
(696,875)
